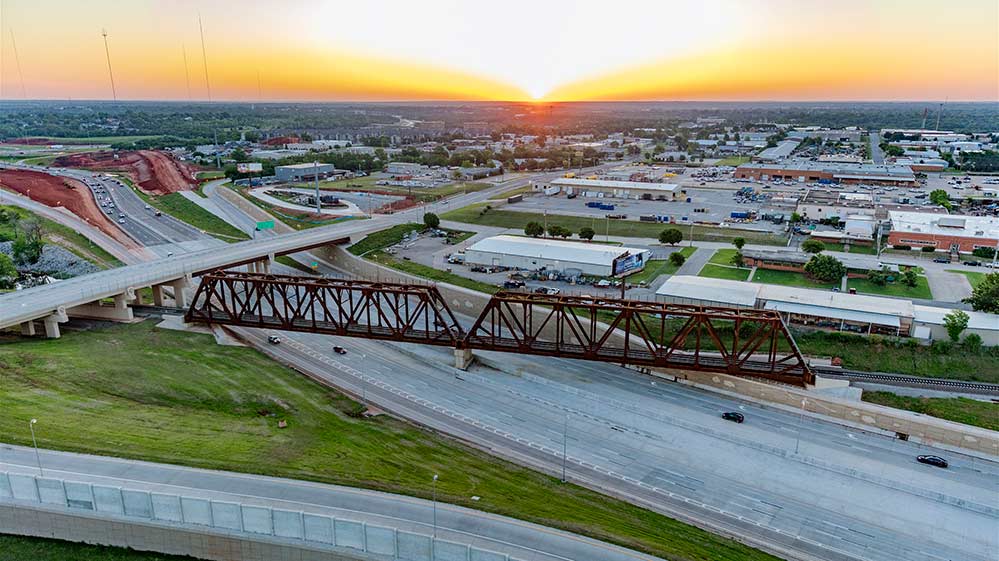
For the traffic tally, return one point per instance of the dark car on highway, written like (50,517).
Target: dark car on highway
(933,461)
(339,350)
(733,416)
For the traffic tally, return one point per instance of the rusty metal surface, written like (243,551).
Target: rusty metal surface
(737,341)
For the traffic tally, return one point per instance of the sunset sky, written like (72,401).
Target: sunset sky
(514,50)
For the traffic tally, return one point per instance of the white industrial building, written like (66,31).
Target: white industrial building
(618,189)
(570,258)
(823,309)
(302,172)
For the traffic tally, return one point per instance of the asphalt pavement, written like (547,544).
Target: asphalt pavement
(501,534)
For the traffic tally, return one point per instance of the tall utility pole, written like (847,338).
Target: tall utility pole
(319,204)
(204,59)
(17,61)
(107,53)
(187,75)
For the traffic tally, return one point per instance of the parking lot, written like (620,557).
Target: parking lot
(717,204)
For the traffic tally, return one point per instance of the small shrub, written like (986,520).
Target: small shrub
(928,249)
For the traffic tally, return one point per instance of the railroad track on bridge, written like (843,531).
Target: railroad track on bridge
(984,388)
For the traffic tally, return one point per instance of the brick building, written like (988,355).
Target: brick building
(952,233)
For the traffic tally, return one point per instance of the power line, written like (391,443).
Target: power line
(107,53)
(17,60)
(204,59)
(187,75)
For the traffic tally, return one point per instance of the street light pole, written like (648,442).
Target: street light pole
(801,421)
(435,506)
(565,433)
(38,457)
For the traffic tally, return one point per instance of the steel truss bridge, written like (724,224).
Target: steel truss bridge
(737,341)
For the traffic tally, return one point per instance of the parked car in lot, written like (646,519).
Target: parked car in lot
(733,416)
(513,284)
(273,339)
(546,290)
(933,461)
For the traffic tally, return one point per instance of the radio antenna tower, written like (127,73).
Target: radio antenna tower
(204,59)
(187,75)
(17,61)
(107,53)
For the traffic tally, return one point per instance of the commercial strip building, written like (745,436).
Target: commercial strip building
(945,232)
(569,258)
(619,189)
(806,171)
(857,267)
(827,310)
(304,172)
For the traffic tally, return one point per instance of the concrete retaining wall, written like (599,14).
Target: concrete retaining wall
(208,529)
(923,428)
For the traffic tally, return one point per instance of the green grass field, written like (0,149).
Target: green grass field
(958,409)
(858,249)
(723,256)
(472,214)
(921,290)
(96,139)
(733,161)
(63,236)
(20,548)
(722,272)
(974,277)
(384,238)
(139,392)
(653,269)
(791,278)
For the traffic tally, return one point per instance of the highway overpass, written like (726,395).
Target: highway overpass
(86,296)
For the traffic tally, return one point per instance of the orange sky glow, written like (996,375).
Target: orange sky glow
(310,50)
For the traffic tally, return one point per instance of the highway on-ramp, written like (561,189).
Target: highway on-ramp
(519,539)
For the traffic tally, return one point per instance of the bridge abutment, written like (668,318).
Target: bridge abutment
(463,358)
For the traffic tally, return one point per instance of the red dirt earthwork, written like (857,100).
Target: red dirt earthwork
(154,172)
(62,192)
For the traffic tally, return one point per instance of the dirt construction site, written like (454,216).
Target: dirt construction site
(61,192)
(154,172)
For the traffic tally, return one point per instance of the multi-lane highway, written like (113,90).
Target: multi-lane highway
(801,487)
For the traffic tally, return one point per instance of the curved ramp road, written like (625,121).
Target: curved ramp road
(518,539)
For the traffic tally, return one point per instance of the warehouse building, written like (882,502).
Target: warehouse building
(945,232)
(406,168)
(569,258)
(900,176)
(820,205)
(618,189)
(777,153)
(820,309)
(303,172)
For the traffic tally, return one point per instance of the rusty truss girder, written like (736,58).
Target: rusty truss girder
(374,310)
(747,342)
(738,341)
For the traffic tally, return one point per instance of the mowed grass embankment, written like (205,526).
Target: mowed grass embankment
(22,548)
(958,409)
(139,392)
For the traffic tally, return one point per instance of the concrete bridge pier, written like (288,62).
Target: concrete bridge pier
(52,322)
(463,358)
(28,329)
(157,294)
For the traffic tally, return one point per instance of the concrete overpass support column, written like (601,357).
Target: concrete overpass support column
(52,324)
(28,329)
(268,263)
(157,294)
(179,296)
(463,358)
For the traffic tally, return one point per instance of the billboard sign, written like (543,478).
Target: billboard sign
(249,167)
(628,263)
